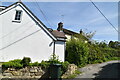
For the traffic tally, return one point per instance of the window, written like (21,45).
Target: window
(18,15)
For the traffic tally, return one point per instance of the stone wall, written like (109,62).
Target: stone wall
(71,70)
(24,72)
(34,72)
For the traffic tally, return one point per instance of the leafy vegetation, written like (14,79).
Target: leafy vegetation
(26,61)
(77,52)
(34,64)
(12,64)
(45,64)
(81,53)
(54,59)
(77,72)
(71,76)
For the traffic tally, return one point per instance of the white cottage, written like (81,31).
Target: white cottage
(22,34)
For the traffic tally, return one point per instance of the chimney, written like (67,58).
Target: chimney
(60,26)
(81,31)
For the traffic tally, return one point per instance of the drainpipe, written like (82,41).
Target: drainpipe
(54,46)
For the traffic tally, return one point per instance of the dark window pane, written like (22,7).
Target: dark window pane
(19,18)
(15,18)
(18,15)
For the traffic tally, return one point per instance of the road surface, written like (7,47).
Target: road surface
(109,69)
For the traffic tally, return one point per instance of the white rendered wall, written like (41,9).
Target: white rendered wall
(60,49)
(0,34)
(37,46)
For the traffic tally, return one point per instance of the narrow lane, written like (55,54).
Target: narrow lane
(109,69)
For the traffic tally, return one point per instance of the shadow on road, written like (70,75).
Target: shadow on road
(109,71)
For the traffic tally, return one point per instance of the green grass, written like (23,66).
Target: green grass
(77,72)
(71,76)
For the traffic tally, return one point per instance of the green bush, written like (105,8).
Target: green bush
(81,53)
(16,61)
(12,64)
(64,66)
(44,64)
(26,61)
(54,59)
(34,64)
(77,52)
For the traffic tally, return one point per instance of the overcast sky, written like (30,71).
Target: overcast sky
(79,15)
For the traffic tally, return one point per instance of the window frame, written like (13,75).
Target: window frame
(14,18)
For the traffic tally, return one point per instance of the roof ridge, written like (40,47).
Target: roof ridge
(33,16)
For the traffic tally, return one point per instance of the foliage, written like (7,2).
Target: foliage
(89,35)
(44,64)
(115,44)
(64,66)
(77,52)
(54,59)
(71,76)
(12,64)
(25,61)
(34,64)
(81,53)
(77,72)
(18,63)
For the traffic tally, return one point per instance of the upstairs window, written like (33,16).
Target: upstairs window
(18,15)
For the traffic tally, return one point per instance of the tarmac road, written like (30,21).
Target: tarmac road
(109,69)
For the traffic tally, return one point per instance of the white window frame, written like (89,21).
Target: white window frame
(15,16)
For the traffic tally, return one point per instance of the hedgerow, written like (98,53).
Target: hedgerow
(81,53)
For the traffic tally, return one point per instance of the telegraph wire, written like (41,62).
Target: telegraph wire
(104,16)
(19,40)
(21,33)
(42,13)
(9,44)
(25,30)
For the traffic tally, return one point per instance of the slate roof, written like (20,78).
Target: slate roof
(59,34)
(66,31)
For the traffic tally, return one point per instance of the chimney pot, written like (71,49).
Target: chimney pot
(60,26)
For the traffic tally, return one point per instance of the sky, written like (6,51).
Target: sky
(78,15)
